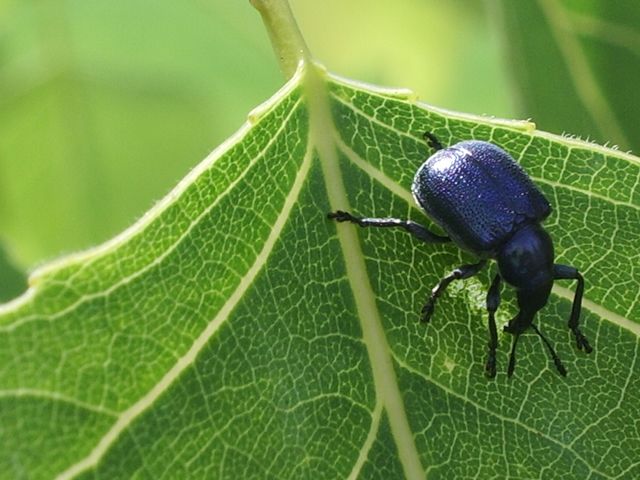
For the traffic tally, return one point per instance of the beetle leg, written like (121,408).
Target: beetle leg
(465,271)
(431,140)
(413,228)
(493,302)
(561,272)
(512,357)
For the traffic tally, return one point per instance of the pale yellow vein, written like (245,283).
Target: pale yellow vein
(368,443)
(385,381)
(127,417)
(158,259)
(58,397)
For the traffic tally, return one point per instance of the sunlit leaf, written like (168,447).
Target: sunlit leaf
(235,332)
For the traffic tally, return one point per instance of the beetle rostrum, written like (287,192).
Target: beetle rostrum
(488,205)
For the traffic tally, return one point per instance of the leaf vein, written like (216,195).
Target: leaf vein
(386,385)
(157,260)
(497,415)
(129,415)
(537,179)
(59,397)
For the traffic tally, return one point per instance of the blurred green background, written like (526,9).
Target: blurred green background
(105,105)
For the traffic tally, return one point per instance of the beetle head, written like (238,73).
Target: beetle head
(526,262)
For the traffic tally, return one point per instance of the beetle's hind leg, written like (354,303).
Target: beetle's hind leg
(493,302)
(410,226)
(561,272)
(512,355)
(431,140)
(460,273)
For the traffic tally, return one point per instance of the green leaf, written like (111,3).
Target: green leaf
(576,64)
(235,332)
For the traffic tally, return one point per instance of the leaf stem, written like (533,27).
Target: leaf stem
(284,33)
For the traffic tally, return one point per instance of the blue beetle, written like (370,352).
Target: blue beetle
(487,205)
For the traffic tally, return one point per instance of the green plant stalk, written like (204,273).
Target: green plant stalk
(287,41)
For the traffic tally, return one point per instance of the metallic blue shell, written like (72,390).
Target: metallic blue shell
(478,194)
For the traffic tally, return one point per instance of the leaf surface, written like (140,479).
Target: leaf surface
(235,332)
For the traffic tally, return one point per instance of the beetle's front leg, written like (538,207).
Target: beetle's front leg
(410,226)
(561,272)
(465,271)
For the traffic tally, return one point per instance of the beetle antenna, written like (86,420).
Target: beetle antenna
(512,357)
(554,355)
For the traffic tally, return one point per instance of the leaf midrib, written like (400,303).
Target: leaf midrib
(325,136)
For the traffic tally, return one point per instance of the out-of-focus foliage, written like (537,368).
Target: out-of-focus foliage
(12,280)
(105,105)
(577,64)
(449,52)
